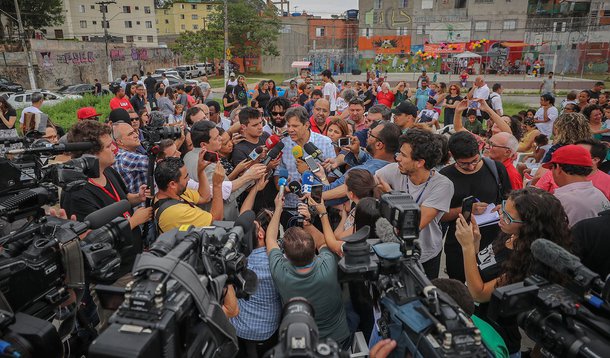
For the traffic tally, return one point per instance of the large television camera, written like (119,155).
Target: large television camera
(173,308)
(422,319)
(565,321)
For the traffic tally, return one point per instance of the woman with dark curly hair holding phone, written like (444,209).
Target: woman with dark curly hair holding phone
(526,215)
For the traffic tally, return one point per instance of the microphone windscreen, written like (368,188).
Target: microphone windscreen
(385,231)
(272,141)
(307,181)
(281,182)
(295,187)
(282,173)
(554,256)
(297,152)
(103,216)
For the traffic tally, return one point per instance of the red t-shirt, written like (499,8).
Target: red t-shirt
(387,99)
(314,126)
(516,181)
(599,179)
(120,103)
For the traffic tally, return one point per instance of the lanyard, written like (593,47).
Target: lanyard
(421,192)
(114,197)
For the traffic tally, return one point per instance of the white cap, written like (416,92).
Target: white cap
(232,74)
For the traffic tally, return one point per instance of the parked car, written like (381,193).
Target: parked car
(173,81)
(5,95)
(81,89)
(187,71)
(159,71)
(6,85)
(24,99)
(233,67)
(206,68)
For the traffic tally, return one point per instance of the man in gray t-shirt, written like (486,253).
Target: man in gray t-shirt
(420,151)
(548,85)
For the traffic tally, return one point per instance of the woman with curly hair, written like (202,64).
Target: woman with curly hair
(526,215)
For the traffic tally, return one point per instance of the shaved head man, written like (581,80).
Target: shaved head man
(319,120)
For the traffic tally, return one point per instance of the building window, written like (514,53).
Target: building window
(59,34)
(400,31)
(85,38)
(480,26)
(183,27)
(460,4)
(165,12)
(421,29)
(139,38)
(92,7)
(182,6)
(106,25)
(368,32)
(403,3)
(147,9)
(83,24)
(559,26)
(129,39)
(166,21)
(137,8)
(194,17)
(427,4)
(157,21)
(509,25)
(94,22)
(484,1)
(81,8)
(137,22)
(193,6)
(377,4)
(181,16)
(148,24)
(128,24)
(320,32)
(127,9)
(208,7)
(195,27)
(149,39)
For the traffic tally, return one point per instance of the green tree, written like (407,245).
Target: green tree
(201,45)
(35,14)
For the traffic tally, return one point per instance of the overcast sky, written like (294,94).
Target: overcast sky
(323,8)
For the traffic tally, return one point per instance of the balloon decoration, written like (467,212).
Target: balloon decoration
(475,45)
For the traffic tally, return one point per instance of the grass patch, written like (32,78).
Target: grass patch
(64,114)
(509,108)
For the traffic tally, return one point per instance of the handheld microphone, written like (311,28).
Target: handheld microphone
(55,148)
(307,181)
(255,154)
(282,183)
(295,188)
(241,226)
(316,153)
(559,259)
(103,216)
(272,141)
(297,152)
(274,153)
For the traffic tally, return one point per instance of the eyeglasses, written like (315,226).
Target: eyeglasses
(490,144)
(466,165)
(277,113)
(506,218)
(374,136)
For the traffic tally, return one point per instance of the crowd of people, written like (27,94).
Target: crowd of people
(540,173)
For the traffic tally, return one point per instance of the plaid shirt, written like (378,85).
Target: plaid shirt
(259,317)
(289,163)
(133,168)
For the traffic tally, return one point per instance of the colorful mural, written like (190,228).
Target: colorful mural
(385,44)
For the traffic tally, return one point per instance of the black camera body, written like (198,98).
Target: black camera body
(26,336)
(422,319)
(155,133)
(172,307)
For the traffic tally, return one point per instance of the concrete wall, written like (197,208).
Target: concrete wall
(79,62)
(292,45)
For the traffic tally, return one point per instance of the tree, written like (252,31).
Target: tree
(200,45)
(35,14)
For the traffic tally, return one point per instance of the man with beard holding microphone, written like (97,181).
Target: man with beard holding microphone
(420,151)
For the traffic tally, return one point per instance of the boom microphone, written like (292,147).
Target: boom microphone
(103,216)
(241,226)
(558,258)
(385,231)
(316,153)
(55,148)
(274,153)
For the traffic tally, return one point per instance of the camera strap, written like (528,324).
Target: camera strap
(209,309)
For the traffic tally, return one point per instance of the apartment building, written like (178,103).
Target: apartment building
(181,16)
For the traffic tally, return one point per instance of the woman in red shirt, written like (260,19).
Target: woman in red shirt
(385,97)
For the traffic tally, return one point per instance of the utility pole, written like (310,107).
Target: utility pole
(104,9)
(226,28)
(28,55)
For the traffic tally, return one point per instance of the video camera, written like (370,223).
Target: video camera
(422,319)
(172,308)
(571,321)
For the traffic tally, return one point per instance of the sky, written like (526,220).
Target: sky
(323,8)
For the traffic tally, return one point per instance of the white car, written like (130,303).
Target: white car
(24,99)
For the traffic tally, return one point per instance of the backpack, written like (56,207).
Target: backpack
(158,207)
(491,165)
(485,115)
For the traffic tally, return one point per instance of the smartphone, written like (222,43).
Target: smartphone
(312,164)
(345,142)
(473,104)
(316,192)
(211,157)
(467,207)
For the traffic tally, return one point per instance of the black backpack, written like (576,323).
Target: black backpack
(484,114)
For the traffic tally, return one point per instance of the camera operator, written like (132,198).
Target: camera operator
(176,205)
(526,215)
(131,165)
(300,273)
(259,316)
(420,151)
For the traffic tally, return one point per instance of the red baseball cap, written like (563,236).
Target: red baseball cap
(570,154)
(86,113)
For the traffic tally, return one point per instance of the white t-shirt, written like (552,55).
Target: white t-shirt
(481,92)
(546,128)
(30,109)
(427,115)
(496,103)
(232,83)
(330,90)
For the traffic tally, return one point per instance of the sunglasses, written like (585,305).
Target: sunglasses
(277,113)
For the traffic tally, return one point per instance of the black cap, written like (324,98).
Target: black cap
(119,115)
(405,107)
(432,101)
